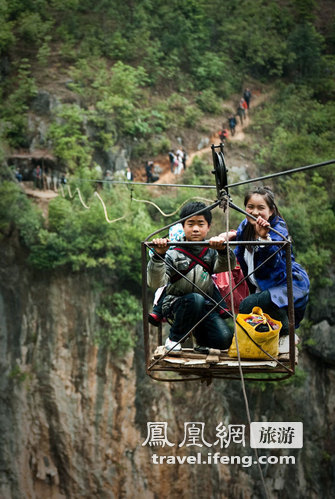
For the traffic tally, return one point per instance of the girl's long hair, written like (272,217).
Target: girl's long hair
(264,191)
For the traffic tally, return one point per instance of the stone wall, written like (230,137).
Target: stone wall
(74,417)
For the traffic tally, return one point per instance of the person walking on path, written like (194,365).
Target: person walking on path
(247,96)
(171,159)
(184,158)
(148,170)
(232,124)
(241,110)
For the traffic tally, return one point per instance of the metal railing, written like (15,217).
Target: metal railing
(153,365)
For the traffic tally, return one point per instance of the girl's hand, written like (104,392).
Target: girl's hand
(217,242)
(262,227)
(161,246)
(228,236)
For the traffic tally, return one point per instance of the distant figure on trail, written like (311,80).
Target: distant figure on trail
(179,166)
(148,170)
(184,158)
(129,174)
(223,134)
(171,159)
(108,178)
(232,124)
(184,304)
(247,97)
(47,179)
(18,175)
(241,110)
(55,180)
(37,176)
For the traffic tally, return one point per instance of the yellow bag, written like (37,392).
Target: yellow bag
(268,340)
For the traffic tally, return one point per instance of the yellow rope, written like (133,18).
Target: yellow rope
(105,210)
(174,212)
(87,207)
(81,199)
(133,199)
(69,190)
(62,190)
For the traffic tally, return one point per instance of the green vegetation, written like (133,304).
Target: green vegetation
(299,130)
(129,70)
(18,375)
(17,213)
(270,382)
(76,237)
(136,75)
(117,317)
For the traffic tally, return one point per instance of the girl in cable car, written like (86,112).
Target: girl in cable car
(267,285)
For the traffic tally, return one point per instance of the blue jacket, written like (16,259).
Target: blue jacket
(272,275)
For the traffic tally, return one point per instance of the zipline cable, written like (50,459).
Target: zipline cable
(190,186)
(287,172)
(128,182)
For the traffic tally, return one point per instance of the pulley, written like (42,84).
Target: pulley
(220,170)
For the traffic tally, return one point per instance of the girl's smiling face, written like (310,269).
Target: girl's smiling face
(258,207)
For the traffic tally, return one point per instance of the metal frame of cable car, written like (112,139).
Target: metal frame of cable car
(215,364)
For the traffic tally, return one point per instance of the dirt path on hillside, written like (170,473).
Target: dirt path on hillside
(41,197)
(236,161)
(168,177)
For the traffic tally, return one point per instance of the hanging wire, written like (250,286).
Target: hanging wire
(87,207)
(190,186)
(174,212)
(279,174)
(69,190)
(81,199)
(105,210)
(131,184)
(62,190)
(154,184)
(246,402)
(132,199)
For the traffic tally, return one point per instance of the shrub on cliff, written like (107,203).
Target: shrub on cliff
(17,213)
(117,315)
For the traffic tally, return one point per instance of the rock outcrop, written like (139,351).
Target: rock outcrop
(74,416)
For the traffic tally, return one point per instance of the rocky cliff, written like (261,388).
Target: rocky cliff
(74,417)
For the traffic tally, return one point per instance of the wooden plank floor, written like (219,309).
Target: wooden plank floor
(216,362)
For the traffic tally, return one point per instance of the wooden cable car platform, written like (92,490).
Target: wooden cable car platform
(217,363)
(190,364)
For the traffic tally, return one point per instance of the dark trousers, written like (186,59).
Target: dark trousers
(263,300)
(212,332)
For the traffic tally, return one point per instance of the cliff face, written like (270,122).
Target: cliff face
(74,417)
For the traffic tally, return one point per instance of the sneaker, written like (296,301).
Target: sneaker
(154,319)
(172,344)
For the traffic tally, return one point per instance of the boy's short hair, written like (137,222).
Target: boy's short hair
(190,208)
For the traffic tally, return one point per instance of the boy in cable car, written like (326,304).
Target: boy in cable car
(184,304)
